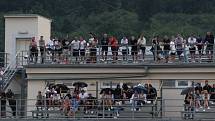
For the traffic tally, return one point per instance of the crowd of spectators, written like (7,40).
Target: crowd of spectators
(164,48)
(82,101)
(201,97)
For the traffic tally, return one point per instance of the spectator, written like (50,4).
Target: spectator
(207,87)
(68,95)
(83,46)
(142,45)
(134,99)
(33,50)
(166,42)
(42,48)
(76,46)
(109,100)
(200,46)
(172,50)
(58,50)
(12,101)
(212,97)
(152,93)
(66,52)
(142,98)
(124,45)
(113,42)
(39,102)
(192,47)
(83,96)
(56,99)
(3,104)
(156,50)
(104,45)
(179,46)
(134,51)
(198,98)
(206,100)
(93,42)
(50,49)
(74,104)
(209,40)
(118,93)
(90,103)
(66,105)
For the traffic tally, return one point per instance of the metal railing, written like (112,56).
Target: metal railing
(100,109)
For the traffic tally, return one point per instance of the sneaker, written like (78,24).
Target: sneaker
(197,110)
(201,107)
(117,114)
(204,110)
(209,108)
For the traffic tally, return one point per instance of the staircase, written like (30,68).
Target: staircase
(8,74)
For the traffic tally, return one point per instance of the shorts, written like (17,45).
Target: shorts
(209,48)
(104,48)
(192,50)
(179,52)
(75,53)
(114,49)
(134,51)
(172,53)
(59,51)
(82,52)
(93,52)
(124,51)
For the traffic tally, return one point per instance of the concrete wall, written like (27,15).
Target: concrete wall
(44,28)
(18,28)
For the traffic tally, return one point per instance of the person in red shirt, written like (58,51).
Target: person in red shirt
(113,42)
(33,50)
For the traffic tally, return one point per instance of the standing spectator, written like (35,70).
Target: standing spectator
(93,42)
(113,42)
(209,40)
(58,50)
(104,45)
(172,50)
(155,48)
(192,47)
(206,100)
(3,104)
(66,105)
(152,93)
(199,88)
(83,96)
(207,87)
(39,102)
(198,98)
(124,46)
(200,46)
(66,53)
(179,46)
(134,99)
(33,50)
(12,101)
(109,100)
(83,45)
(142,45)
(134,51)
(42,48)
(74,104)
(50,49)
(118,93)
(76,46)
(90,103)
(166,42)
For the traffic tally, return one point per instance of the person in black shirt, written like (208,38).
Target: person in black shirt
(209,40)
(199,87)
(207,87)
(200,46)
(118,93)
(134,51)
(166,42)
(12,101)
(212,97)
(104,45)
(3,104)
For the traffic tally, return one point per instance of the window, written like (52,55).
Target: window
(169,83)
(109,84)
(182,83)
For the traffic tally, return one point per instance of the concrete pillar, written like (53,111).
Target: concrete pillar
(33,87)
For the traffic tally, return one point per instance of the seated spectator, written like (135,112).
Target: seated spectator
(90,103)
(212,97)
(142,98)
(74,104)
(66,105)
(83,95)
(56,99)
(134,99)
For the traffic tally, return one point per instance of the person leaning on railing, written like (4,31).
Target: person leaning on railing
(142,45)
(33,50)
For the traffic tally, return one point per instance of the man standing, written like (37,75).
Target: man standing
(12,101)
(42,48)
(209,40)
(104,45)
(207,87)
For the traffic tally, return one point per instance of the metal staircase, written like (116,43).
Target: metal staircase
(9,74)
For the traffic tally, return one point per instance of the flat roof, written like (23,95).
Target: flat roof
(25,16)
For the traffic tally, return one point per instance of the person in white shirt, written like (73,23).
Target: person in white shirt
(192,47)
(83,45)
(142,45)
(172,50)
(124,46)
(76,46)
(83,96)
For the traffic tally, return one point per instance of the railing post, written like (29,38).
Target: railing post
(103,109)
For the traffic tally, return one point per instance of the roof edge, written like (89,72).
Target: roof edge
(24,16)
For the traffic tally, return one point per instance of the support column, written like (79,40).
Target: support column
(23,93)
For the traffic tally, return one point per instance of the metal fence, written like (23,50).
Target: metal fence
(124,109)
